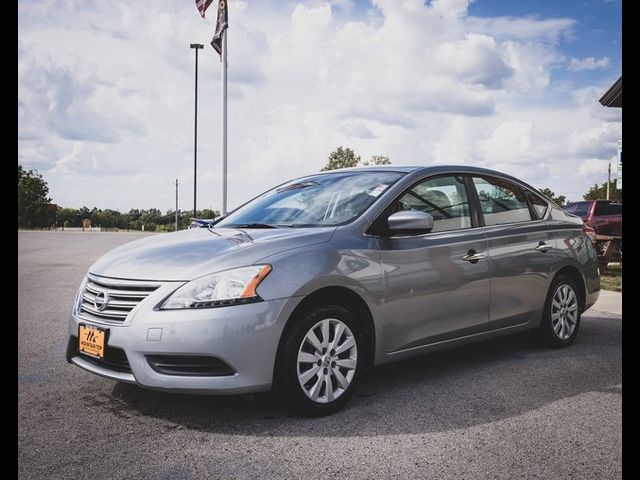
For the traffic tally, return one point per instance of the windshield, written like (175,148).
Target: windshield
(314,201)
(580,209)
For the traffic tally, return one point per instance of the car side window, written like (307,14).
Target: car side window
(501,201)
(606,208)
(539,205)
(445,198)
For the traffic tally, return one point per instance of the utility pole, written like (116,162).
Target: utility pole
(176,204)
(196,46)
(608,179)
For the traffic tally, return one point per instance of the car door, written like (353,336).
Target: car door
(521,248)
(432,293)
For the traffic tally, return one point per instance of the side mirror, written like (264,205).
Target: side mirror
(410,222)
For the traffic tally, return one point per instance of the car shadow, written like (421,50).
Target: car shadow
(454,389)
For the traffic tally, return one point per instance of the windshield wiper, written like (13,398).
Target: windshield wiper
(257,225)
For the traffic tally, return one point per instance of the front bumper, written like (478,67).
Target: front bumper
(245,337)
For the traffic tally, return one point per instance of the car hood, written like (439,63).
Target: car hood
(188,254)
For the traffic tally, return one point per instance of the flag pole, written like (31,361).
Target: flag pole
(224,122)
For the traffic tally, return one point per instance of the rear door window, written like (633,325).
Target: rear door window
(501,202)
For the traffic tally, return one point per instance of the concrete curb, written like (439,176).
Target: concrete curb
(610,302)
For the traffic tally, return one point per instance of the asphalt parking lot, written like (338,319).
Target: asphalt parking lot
(501,409)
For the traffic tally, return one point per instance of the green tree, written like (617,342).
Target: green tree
(68,217)
(343,157)
(33,199)
(377,160)
(560,200)
(600,192)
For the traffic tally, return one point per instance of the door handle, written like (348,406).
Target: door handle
(473,256)
(543,247)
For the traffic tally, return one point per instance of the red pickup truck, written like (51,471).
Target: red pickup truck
(604,216)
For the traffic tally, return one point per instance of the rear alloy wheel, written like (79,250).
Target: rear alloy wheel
(561,320)
(318,364)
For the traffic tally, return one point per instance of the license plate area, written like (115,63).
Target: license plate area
(92,340)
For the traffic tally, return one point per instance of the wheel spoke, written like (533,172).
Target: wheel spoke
(313,340)
(337,334)
(344,383)
(315,390)
(569,326)
(570,296)
(568,329)
(555,316)
(325,332)
(328,391)
(349,363)
(556,304)
(304,357)
(347,344)
(557,327)
(308,375)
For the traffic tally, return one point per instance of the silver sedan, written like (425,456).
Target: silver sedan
(305,286)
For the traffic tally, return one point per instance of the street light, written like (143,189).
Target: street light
(196,47)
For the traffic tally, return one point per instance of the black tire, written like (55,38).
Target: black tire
(548,330)
(286,386)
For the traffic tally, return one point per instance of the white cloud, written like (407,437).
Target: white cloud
(510,142)
(474,59)
(588,63)
(593,167)
(451,8)
(523,28)
(106,96)
(598,141)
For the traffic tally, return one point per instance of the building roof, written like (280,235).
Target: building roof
(613,96)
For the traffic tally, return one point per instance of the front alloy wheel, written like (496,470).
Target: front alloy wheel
(327,360)
(319,359)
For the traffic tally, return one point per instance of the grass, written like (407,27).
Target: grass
(611,278)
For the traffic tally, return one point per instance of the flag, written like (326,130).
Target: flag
(221,25)
(203,5)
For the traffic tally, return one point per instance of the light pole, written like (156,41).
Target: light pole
(608,178)
(196,47)
(176,204)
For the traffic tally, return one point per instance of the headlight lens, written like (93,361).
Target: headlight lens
(219,289)
(77,303)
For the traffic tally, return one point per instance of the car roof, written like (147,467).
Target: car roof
(434,169)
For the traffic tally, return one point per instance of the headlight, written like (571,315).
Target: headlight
(231,287)
(77,303)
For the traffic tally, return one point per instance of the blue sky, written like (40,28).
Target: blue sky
(105,99)
(597,31)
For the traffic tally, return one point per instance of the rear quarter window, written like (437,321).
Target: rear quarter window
(539,205)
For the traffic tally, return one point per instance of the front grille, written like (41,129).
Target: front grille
(114,357)
(110,300)
(192,366)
